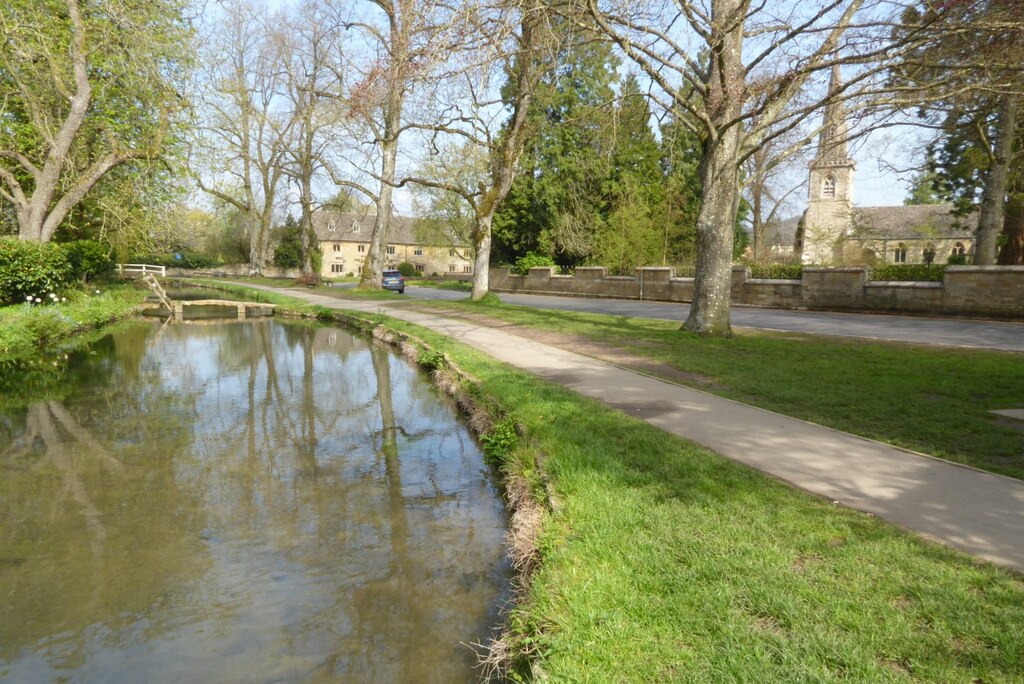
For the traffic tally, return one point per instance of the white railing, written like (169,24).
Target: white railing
(137,270)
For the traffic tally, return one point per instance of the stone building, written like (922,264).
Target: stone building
(345,239)
(833,232)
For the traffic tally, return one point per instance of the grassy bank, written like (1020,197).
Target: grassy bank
(26,330)
(662,561)
(936,400)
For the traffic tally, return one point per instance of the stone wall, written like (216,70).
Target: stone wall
(269,271)
(966,290)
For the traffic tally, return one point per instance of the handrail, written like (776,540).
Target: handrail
(141,269)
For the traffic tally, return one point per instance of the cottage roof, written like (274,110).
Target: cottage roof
(358,227)
(913,222)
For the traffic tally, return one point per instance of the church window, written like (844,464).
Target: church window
(900,254)
(828,187)
(959,249)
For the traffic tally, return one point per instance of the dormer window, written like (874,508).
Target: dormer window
(828,186)
(355,227)
(332,226)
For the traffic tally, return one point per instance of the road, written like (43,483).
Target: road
(957,332)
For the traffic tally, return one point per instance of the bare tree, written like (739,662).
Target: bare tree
(311,61)
(402,41)
(243,129)
(732,70)
(484,99)
(76,102)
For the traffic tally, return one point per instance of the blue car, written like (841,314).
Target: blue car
(393,280)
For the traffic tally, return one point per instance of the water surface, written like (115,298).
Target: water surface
(248,501)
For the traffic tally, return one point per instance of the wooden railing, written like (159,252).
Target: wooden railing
(138,270)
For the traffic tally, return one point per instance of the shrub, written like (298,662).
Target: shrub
(31,269)
(407,269)
(777,271)
(957,260)
(908,272)
(525,263)
(501,440)
(88,259)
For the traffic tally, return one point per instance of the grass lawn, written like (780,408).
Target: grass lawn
(936,400)
(456,285)
(664,562)
(27,330)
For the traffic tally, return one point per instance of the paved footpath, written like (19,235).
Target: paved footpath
(969,509)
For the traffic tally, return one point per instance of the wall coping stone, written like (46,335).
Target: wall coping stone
(984,269)
(908,284)
(828,269)
(774,281)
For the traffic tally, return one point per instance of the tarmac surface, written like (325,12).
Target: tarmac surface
(972,510)
(957,332)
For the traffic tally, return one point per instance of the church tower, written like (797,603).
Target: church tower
(830,202)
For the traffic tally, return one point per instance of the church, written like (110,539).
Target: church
(832,232)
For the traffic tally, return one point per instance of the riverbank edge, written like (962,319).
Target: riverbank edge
(38,341)
(527,492)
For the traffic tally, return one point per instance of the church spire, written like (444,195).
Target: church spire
(833,147)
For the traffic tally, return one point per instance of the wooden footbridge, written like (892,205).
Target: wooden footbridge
(177,307)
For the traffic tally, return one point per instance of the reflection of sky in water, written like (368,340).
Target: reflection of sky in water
(268,526)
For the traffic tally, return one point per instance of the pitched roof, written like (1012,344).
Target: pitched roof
(358,227)
(913,222)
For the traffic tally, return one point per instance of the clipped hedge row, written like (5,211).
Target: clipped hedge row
(776,271)
(908,272)
(33,269)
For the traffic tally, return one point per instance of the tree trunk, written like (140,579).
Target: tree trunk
(373,266)
(719,175)
(993,197)
(306,199)
(1012,252)
(482,257)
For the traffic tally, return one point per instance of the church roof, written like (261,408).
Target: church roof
(912,222)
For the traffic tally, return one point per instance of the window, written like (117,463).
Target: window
(467,269)
(391,250)
(337,247)
(337,268)
(418,267)
(362,248)
(959,249)
(828,187)
(451,252)
(332,226)
(418,251)
(451,268)
(899,255)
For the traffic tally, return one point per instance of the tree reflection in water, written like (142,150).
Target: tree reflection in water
(250,501)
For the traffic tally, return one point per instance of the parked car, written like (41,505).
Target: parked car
(393,280)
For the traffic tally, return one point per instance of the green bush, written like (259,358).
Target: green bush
(88,259)
(31,269)
(957,260)
(525,263)
(776,271)
(407,269)
(501,440)
(908,272)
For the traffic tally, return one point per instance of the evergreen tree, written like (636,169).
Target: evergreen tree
(628,234)
(556,198)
